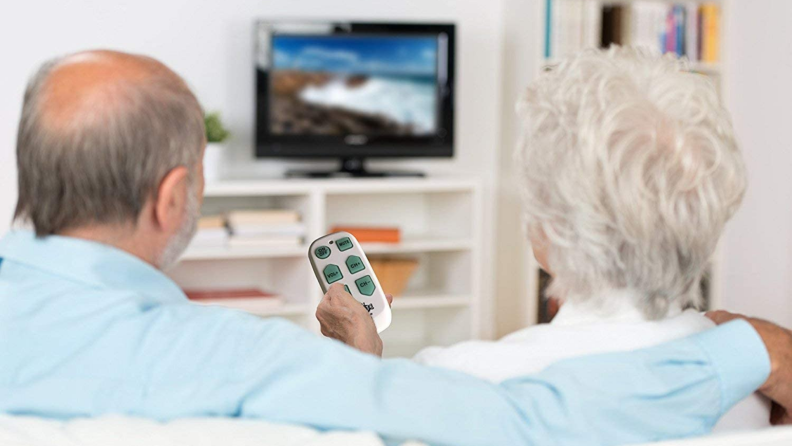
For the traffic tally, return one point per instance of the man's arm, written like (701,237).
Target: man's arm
(220,362)
(778,340)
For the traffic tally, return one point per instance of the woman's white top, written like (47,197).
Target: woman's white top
(580,329)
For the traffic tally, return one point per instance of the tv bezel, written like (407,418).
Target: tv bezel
(440,145)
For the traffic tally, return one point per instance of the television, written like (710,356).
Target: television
(354,90)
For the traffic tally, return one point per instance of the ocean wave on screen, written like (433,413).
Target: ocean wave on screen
(406,101)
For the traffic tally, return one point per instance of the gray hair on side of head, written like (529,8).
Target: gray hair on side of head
(108,161)
(629,170)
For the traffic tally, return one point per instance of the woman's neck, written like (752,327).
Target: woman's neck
(616,305)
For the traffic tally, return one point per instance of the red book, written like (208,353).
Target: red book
(371,234)
(235,293)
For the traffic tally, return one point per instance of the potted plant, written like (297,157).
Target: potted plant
(216,134)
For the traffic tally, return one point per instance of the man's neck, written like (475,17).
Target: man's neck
(123,237)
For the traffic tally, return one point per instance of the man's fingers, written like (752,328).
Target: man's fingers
(390,299)
(335,290)
(721,317)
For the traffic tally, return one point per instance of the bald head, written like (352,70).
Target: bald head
(99,130)
(95,83)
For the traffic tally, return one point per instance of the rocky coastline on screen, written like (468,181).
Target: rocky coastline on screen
(293,115)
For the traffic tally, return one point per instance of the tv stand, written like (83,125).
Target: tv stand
(351,167)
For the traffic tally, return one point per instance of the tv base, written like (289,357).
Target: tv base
(352,167)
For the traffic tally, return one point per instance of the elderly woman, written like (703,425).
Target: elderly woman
(630,171)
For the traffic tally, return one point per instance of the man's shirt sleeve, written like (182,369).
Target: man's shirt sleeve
(276,371)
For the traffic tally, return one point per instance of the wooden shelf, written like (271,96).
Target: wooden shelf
(221,253)
(341,186)
(415,245)
(699,67)
(416,302)
(439,217)
(261,307)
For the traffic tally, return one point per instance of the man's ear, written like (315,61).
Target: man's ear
(171,199)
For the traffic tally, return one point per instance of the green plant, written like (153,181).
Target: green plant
(215,131)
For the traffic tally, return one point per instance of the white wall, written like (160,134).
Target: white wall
(211,44)
(757,266)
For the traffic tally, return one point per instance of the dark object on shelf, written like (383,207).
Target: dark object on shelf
(353,90)
(548,306)
(612,26)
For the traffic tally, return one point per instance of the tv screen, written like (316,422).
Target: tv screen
(364,90)
(363,85)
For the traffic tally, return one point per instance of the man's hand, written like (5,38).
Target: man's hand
(343,318)
(778,341)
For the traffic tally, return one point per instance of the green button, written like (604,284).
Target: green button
(365,285)
(346,287)
(322,252)
(344,243)
(355,264)
(332,273)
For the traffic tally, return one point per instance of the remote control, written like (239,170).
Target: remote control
(338,258)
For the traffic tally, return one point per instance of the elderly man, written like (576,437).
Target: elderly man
(110,178)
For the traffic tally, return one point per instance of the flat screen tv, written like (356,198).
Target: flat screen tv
(352,90)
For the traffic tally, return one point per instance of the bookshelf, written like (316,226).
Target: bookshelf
(441,224)
(584,33)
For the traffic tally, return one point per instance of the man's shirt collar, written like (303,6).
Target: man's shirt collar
(88,262)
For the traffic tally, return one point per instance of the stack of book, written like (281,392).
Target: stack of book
(689,29)
(265,228)
(211,233)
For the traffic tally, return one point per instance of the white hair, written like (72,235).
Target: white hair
(629,170)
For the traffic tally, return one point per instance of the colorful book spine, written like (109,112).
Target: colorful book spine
(710,32)
(548,29)
(679,28)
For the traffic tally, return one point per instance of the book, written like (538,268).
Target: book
(710,32)
(268,216)
(688,28)
(229,293)
(252,300)
(209,238)
(691,31)
(612,26)
(211,222)
(371,234)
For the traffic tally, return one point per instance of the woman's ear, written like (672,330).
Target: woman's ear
(171,200)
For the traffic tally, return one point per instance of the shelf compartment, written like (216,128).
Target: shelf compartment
(259,307)
(417,245)
(286,277)
(415,302)
(410,245)
(413,329)
(419,216)
(221,253)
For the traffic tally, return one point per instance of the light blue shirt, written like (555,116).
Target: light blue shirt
(86,329)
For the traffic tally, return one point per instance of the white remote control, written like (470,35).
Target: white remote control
(338,258)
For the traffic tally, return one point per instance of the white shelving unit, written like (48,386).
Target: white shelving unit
(441,225)
(714,70)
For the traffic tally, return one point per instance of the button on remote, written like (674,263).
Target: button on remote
(365,285)
(322,252)
(354,264)
(344,243)
(332,273)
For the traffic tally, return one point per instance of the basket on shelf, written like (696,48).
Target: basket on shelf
(393,273)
